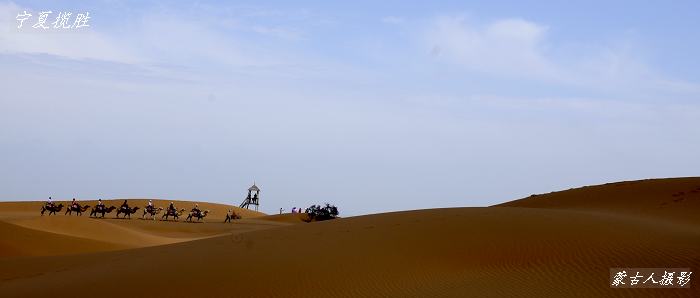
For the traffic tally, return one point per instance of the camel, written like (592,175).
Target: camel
(175,214)
(78,209)
(231,215)
(51,209)
(127,211)
(95,210)
(152,212)
(199,215)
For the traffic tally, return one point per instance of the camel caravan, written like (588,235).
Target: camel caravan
(150,211)
(124,211)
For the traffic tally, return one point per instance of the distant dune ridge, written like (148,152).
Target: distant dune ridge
(676,199)
(560,244)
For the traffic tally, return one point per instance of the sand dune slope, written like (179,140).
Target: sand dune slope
(29,230)
(109,231)
(19,241)
(546,249)
(676,199)
(447,252)
(287,217)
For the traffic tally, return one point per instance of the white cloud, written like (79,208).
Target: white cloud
(155,38)
(510,47)
(83,43)
(521,49)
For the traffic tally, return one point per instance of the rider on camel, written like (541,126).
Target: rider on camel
(230,215)
(195,210)
(74,204)
(124,205)
(100,204)
(171,208)
(49,203)
(149,208)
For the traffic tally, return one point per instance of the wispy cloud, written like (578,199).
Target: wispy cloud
(511,47)
(84,43)
(158,38)
(522,49)
(299,98)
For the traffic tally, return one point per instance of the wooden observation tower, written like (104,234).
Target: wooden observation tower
(253,198)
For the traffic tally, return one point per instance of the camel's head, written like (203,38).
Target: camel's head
(205,212)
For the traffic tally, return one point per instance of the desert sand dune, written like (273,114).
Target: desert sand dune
(676,199)
(115,233)
(287,217)
(19,241)
(544,250)
(110,231)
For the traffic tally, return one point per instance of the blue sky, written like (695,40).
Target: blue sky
(371,106)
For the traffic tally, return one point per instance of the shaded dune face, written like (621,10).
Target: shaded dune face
(558,246)
(20,241)
(38,234)
(676,199)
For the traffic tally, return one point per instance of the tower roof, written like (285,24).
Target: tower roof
(254,188)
